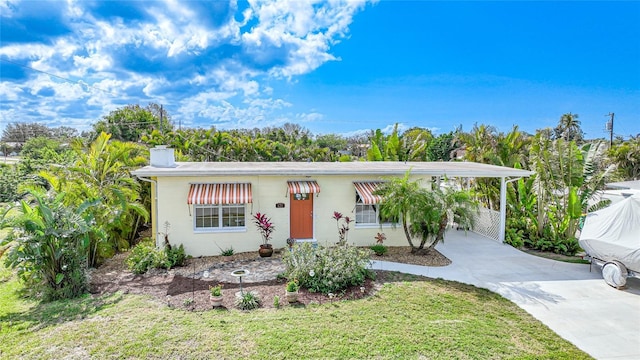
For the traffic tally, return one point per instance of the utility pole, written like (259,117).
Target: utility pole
(610,129)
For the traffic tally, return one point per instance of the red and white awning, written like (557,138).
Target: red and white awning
(303,187)
(217,194)
(366,190)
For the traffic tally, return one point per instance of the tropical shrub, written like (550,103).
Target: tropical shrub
(514,237)
(327,269)
(176,256)
(102,170)
(9,181)
(146,256)
(50,241)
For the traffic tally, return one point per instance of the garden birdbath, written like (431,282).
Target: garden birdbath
(239,274)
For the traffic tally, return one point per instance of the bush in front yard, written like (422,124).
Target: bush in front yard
(146,256)
(327,269)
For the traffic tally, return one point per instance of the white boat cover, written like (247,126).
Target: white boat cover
(613,233)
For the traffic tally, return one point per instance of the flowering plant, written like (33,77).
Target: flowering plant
(265,226)
(343,228)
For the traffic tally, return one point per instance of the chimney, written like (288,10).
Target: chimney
(162,156)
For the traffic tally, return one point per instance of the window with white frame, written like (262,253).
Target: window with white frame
(368,214)
(219,217)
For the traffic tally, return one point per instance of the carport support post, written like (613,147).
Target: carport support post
(503,209)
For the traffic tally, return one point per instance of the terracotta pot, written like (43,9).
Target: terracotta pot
(215,300)
(265,250)
(291,296)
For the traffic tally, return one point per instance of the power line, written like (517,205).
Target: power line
(78,82)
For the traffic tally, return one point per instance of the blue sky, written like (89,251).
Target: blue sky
(332,67)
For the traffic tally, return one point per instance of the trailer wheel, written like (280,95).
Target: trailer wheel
(615,274)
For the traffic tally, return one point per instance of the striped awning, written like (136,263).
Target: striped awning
(303,187)
(366,190)
(216,194)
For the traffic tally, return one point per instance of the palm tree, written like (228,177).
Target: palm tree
(102,172)
(626,156)
(423,213)
(568,128)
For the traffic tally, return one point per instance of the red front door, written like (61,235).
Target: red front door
(301,216)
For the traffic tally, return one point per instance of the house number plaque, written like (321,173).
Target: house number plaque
(279,205)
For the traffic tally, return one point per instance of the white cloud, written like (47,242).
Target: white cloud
(27,51)
(94,62)
(306,28)
(204,68)
(9,91)
(309,117)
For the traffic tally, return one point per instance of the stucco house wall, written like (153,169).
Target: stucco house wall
(171,182)
(337,193)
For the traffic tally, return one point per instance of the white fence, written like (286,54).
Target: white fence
(487,223)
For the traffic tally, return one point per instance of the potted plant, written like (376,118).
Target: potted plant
(265,227)
(215,295)
(227,254)
(291,291)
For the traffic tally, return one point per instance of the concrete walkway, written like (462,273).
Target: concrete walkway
(575,303)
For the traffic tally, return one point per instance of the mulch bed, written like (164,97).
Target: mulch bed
(175,289)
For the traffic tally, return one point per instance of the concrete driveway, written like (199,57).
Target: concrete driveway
(573,302)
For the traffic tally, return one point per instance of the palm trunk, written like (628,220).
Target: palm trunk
(441,231)
(407,234)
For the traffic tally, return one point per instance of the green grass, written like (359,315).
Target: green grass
(415,318)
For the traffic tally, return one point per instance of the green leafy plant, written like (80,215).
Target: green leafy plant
(327,269)
(215,290)
(227,251)
(276,302)
(292,286)
(379,249)
(176,256)
(188,302)
(145,256)
(49,244)
(248,301)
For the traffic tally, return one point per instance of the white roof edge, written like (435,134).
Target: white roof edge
(299,169)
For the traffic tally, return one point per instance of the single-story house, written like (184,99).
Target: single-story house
(209,205)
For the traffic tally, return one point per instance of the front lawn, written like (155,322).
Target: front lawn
(411,317)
